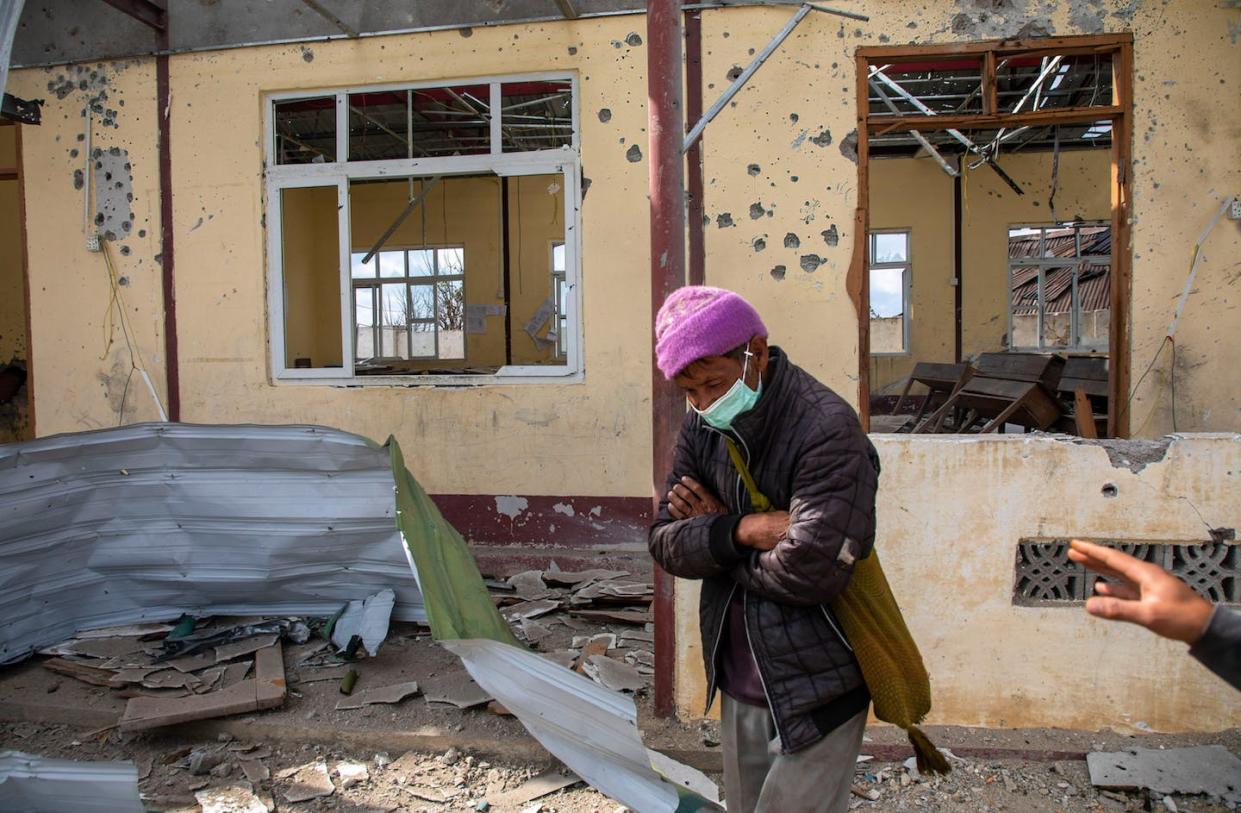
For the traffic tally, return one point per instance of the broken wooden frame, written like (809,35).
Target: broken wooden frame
(992,53)
(266,690)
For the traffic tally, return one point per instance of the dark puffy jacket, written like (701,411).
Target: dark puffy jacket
(809,456)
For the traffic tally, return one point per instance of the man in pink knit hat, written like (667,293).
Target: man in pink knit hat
(794,702)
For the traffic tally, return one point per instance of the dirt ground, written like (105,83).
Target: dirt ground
(424,756)
(420,755)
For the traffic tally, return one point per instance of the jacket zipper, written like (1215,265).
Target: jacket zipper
(715,650)
(745,596)
(835,628)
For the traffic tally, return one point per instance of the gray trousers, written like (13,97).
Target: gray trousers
(759,779)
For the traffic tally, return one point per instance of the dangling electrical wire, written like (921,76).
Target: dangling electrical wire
(136,363)
(1170,337)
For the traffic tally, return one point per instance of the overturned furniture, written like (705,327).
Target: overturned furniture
(1084,385)
(940,380)
(1005,388)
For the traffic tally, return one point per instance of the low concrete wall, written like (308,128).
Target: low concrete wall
(951,513)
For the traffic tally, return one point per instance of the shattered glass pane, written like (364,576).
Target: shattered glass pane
(536,115)
(305,130)
(890,247)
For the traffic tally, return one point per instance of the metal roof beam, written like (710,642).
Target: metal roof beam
(323,12)
(153,13)
(567,9)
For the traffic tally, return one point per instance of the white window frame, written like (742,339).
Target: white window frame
(906,285)
(565,161)
(561,315)
(1075,344)
(432,281)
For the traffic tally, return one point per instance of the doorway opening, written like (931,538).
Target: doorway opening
(992,266)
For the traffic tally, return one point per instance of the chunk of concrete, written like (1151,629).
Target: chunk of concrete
(230,799)
(386,694)
(612,674)
(459,690)
(1207,769)
(309,782)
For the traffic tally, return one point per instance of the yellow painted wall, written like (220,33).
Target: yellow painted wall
(914,193)
(81,356)
(951,569)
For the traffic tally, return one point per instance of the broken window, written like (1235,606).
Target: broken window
(1029,83)
(419,123)
(889,292)
(1059,278)
(926,87)
(536,115)
(1009,159)
(305,130)
(436,239)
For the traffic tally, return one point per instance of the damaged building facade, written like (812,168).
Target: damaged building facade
(442,235)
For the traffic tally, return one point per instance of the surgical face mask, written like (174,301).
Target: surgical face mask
(737,401)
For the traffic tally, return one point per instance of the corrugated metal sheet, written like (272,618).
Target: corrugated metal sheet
(35,784)
(145,522)
(10,13)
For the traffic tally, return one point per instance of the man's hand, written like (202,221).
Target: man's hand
(762,531)
(1144,594)
(690,498)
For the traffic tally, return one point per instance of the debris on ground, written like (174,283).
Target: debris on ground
(536,787)
(201,668)
(622,660)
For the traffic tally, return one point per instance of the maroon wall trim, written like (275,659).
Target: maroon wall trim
(531,520)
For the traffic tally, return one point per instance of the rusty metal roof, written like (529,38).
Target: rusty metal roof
(1093,282)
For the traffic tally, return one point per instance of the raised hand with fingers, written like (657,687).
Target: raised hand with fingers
(1143,594)
(690,498)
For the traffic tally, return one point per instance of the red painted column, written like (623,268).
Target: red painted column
(172,361)
(667,192)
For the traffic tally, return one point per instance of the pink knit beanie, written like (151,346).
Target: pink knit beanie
(699,321)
